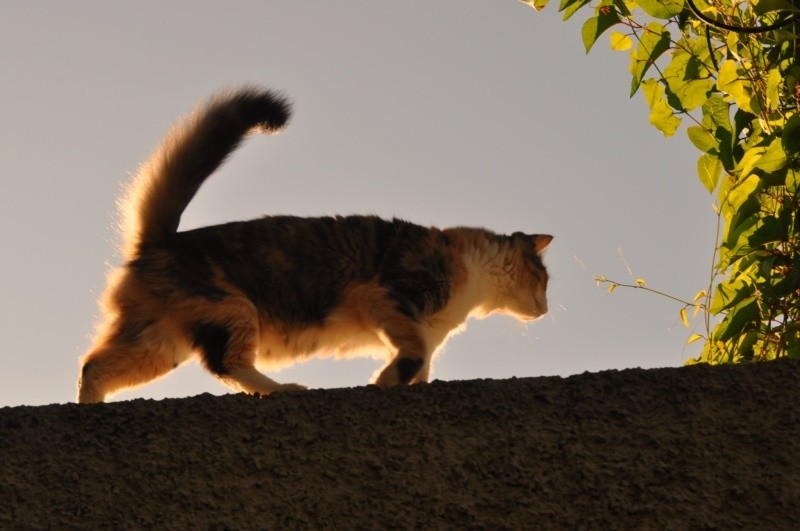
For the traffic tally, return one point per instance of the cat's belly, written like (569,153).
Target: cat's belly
(279,346)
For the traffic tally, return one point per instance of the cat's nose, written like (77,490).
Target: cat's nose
(541,303)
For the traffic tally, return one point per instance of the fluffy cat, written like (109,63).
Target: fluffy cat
(278,289)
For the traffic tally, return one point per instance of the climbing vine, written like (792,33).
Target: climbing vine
(729,72)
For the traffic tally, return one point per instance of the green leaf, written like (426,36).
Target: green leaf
(773,83)
(742,317)
(765,6)
(731,292)
(744,345)
(700,58)
(620,41)
(773,159)
(661,8)
(661,115)
(770,230)
(749,160)
(726,148)
(709,168)
(687,79)
(595,26)
(702,139)
(727,74)
(622,8)
(737,244)
(730,81)
(742,191)
(569,7)
(655,40)
(741,223)
(790,138)
(694,93)
(719,111)
(792,181)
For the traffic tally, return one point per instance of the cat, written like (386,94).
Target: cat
(278,289)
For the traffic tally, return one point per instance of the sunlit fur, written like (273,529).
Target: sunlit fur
(278,289)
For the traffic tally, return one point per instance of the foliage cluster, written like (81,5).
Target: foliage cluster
(729,70)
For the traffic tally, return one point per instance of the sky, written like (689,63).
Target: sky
(445,113)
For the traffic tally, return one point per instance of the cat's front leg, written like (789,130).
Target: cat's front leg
(411,364)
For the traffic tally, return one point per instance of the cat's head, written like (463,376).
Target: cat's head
(522,285)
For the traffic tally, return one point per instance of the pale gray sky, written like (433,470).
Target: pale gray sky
(440,112)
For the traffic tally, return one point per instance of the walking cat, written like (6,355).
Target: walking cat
(280,288)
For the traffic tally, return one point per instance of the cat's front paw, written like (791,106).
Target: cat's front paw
(387,378)
(402,370)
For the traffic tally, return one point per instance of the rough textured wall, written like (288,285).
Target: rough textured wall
(695,447)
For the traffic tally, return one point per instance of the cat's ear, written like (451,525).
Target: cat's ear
(541,242)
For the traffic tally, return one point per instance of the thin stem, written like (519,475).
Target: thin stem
(713,274)
(651,290)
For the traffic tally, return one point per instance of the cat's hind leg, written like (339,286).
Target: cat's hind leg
(130,353)
(225,335)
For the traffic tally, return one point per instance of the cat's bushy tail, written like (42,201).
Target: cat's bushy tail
(194,148)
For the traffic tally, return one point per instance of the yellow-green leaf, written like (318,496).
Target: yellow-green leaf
(773,82)
(620,41)
(661,8)
(694,93)
(727,74)
(640,282)
(696,310)
(742,191)
(749,160)
(700,294)
(684,318)
(661,115)
(693,338)
(684,78)
(654,41)
(611,288)
(729,80)
(702,138)
(709,169)
(774,158)
(538,5)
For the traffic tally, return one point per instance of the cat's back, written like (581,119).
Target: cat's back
(302,266)
(292,242)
